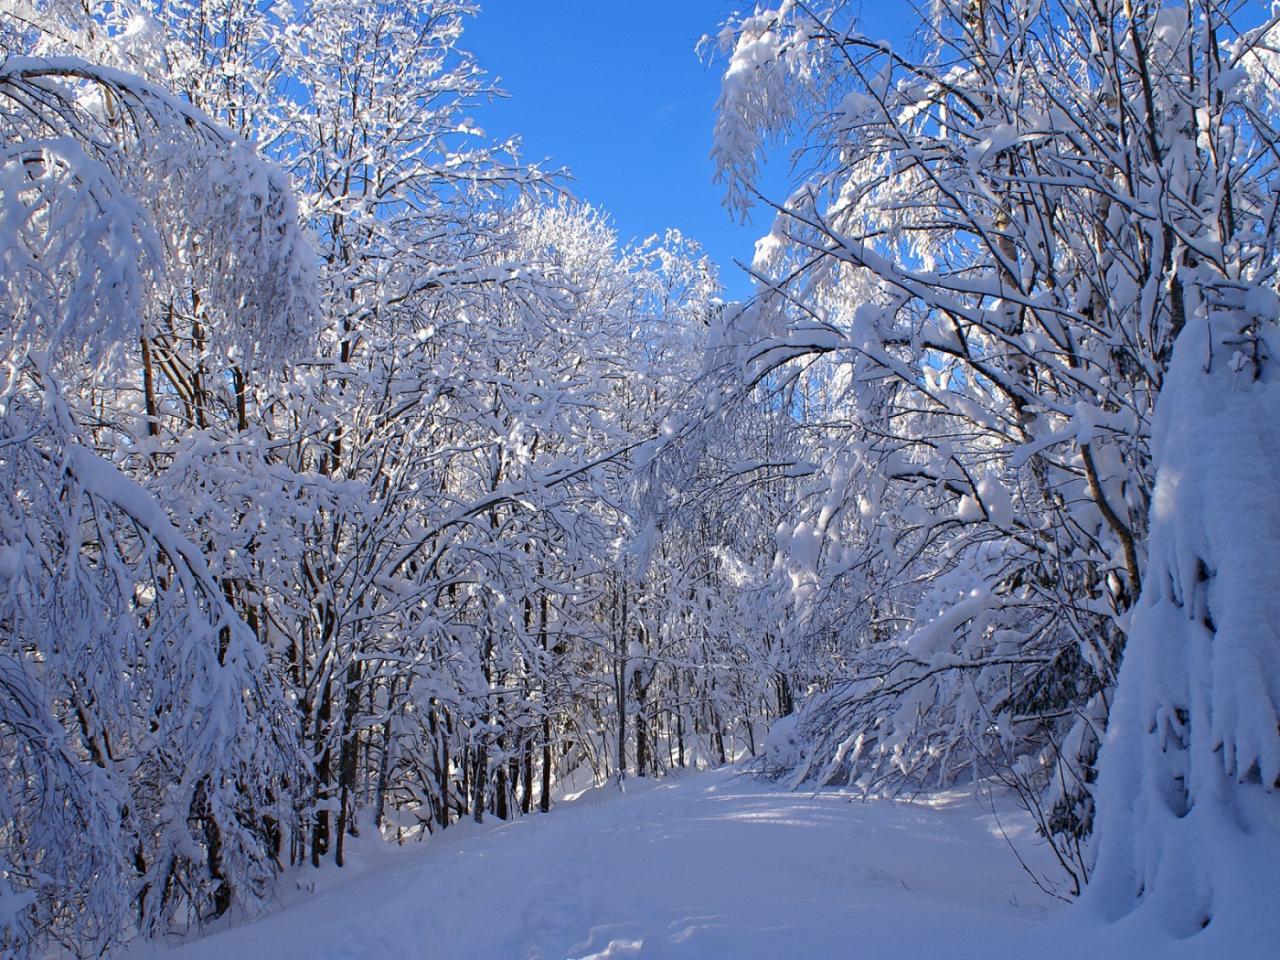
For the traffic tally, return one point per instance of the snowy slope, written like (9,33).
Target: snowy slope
(711,866)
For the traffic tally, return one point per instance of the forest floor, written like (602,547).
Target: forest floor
(714,866)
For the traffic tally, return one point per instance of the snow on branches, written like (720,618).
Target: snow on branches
(976,292)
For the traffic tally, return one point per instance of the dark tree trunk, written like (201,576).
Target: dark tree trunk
(544,616)
(442,773)
(324,772)
(203,811)
(347,762)
(479,783)
(526,798)
(786,702)
(544,800)
(501,788)
(642,726)
(384,758)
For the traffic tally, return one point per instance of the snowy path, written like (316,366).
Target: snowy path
(713,867)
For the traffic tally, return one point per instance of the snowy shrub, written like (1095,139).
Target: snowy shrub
(1189,813)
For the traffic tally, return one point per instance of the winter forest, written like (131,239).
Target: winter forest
(361,488)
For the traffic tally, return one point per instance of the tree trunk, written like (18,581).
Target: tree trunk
(347,762)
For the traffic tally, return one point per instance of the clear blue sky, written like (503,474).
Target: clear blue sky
(614,90)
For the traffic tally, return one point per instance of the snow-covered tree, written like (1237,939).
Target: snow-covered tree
(1187,804)
(137,708)
(994,248)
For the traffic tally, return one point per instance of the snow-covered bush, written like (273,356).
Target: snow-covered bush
(1189,790)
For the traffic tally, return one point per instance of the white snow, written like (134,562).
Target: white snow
(713,865)
(1188,812)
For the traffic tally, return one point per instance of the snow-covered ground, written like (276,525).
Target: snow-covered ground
(712,866)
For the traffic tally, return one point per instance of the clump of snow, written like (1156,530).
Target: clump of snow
(755,100)
(784,747)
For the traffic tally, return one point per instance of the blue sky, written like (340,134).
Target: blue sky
(614,90)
